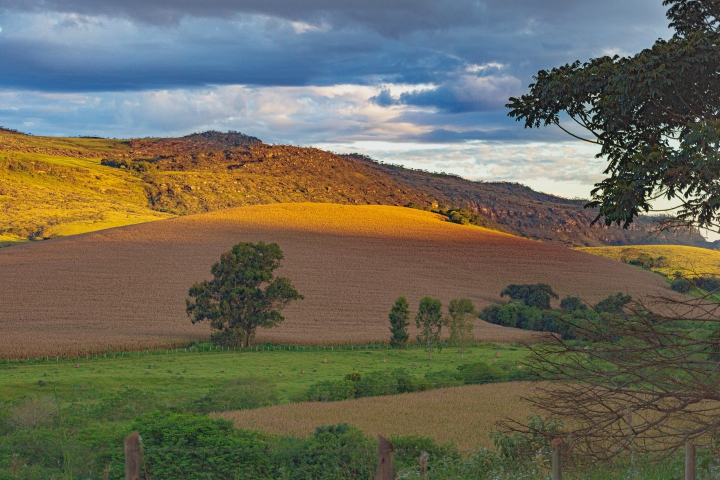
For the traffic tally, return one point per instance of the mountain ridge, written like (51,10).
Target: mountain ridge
(213,170)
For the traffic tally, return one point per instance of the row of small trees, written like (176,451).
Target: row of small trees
(430,320)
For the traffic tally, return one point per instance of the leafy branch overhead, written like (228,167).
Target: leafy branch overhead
(655,116)
(243,294)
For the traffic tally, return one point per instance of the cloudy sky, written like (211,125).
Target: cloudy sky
(416,82)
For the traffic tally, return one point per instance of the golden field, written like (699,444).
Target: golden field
(126,287)
(690,261)
(462,415)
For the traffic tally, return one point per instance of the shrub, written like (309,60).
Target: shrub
(682,285)
(533,295)
(613,303)
(333,452)
(535,441)
(33,412)
(445,378)
(329,391)
(408,449)
(479,373)
(190,447)
(375,384)
(237,394)
(572,304)
(709,284)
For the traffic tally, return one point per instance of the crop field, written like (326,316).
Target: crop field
(462,415)
(691,261)
(125,288)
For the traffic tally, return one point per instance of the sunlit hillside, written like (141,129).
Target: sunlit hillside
(126,287)
(690,261)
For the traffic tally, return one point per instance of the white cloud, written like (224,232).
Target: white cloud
(339,118)
(474,68)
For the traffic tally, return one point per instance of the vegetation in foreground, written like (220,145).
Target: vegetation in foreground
(67,419)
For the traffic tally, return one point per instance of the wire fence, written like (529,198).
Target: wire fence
(199,349)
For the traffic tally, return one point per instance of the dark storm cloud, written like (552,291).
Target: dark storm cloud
(389,17)
(462,58)
(88,45)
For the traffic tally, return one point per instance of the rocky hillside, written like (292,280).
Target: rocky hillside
(212,170)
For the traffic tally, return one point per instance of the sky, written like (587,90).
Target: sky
(414,82)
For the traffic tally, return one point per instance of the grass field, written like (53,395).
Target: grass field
(462,415)
(181,374)
(126,287)
(690,261)
(46,196)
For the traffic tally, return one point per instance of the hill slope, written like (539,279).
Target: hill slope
(690,261)
(126,287)
(57,186)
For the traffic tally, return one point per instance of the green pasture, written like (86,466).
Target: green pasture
(179,374)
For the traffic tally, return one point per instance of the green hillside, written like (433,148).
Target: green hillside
(57,187)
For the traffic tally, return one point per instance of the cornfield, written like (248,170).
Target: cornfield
(464,415)
(125,288)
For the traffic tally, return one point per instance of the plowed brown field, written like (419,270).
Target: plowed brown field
(126,287)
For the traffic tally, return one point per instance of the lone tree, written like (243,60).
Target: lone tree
(462,313)
(429,321)
(399,315)
(654,116)
(533,295)
(243,294)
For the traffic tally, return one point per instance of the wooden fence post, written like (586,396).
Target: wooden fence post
(556,459)
(133,456)
(689,461)
(423,464)
(385,450)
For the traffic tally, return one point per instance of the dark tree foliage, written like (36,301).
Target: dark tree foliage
(710,284)
(571,304)
(519,315)
(613,303)
(429,320)
(533,295)
(399,321)
(243,294)
(655,116)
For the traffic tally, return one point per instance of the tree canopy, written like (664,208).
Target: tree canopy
(655,116)
(533,295)
(429,320)
(399,315)
(243,294)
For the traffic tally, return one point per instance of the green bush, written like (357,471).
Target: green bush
(536,295)
(237,394)
(333,452)
(199,447)
(682,285)
(572,304)
(613,303)
(408,449)
(479,373)
(445,378)
(329,391)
